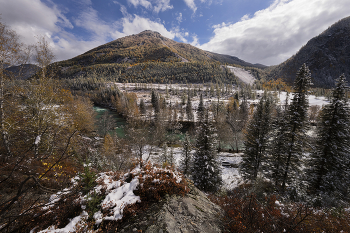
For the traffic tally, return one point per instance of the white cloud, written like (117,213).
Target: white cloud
(245,17)
(27,20)
(162,5)
(191,4)
(89,20)
(195,41)
(274,34)
(137,24)
(144,3)
(157,6)
(179,18)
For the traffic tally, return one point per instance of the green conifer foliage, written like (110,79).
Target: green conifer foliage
(200,109)
(329,164)
(189,110)
(295,136)
(206,171)
(257,138)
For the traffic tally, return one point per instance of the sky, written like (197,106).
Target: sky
(257,31)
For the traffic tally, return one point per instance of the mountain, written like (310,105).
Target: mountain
(327,55)
(150,57)
(24,71)
(151,46)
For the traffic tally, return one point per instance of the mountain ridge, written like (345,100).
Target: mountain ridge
(151,46)
(327,56)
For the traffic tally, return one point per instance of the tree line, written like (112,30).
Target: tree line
(278,146)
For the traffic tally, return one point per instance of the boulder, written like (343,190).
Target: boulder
(193,213)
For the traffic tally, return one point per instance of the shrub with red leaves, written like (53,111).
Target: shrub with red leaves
(246,213)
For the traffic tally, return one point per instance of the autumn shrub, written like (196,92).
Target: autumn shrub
(156,182)
(246,213)
(57,213)
(83,199)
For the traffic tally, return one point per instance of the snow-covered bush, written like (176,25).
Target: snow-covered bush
(103,201)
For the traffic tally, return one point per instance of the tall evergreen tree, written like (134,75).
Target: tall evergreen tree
(189,110)
(200,109)
(142,107)
(186,154)
(257,138)
(329,164)
(275,162)
(206,171)
(296,127)
(155,101)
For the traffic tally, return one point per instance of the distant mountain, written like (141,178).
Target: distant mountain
(151,46)
(22,71)
(150,57)
(327,55)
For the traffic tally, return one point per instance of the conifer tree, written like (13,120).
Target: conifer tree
(142,107)
(275,162)
(155,102)
(296,127)
(329,164)
(189,110)
(206,171)
(257,138)
(200,109)
(186,155)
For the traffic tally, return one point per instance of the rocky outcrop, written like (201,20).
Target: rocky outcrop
(193,212)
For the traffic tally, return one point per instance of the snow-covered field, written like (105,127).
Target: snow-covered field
(171,98)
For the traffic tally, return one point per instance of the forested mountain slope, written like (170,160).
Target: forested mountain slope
(150,57)
(327,55)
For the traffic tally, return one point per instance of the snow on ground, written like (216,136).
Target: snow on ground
(313,100)
(242,74)
(230,175)
(119,195)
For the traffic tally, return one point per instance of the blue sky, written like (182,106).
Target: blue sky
(257,31)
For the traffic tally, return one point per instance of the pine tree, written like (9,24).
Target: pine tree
(296,137)
(186,155)
(155,101)
(189,110)
(200,109)
(206,171)
(329,164)
(257,138)
(275,162)
(142,107)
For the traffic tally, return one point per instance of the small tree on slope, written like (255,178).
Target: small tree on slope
(206,172)
(329,164)
(257,138)
(295,136)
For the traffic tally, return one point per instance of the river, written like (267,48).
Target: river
(120,122)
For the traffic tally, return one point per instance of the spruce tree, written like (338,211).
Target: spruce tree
(189,110)
(186,154)
(200,109)
(329,163)
(206,171)
(142,107)
(257,138)
(275,162)
(296,127)
(155,101)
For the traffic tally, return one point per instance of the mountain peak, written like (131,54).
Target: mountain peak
(150,33)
